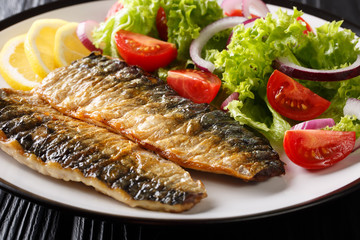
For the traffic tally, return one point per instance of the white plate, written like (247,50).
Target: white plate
(228,198)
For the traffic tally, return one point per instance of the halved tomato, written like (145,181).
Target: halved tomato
(316,149)
(293,100)
(199,86)
(144,51)
(161,24)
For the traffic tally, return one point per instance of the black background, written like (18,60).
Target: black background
(337,218)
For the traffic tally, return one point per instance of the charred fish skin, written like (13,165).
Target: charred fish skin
(65,148)
(108,92)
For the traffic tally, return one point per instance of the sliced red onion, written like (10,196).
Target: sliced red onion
(314,124)
(284,65)
(229,5)
(261,9)
(207,33)
(352,107)
(229,39)
(231,97)
(84,33)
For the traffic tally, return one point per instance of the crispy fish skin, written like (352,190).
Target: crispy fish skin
(127,100)
(65,148)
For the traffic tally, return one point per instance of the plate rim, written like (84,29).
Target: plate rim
(22,193)
(48,203)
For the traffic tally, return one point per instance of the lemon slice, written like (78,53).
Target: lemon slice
(39,45)
(14,66)
(68,46)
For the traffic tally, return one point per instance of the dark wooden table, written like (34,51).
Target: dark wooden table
(22,218)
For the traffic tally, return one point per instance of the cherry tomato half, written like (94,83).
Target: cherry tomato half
(114,9)
(144,51)
(199,86)
(161,24)
(308,27)
(293,100)
(316,149)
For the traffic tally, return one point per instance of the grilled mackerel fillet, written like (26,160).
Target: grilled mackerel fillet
(62,147)
(127,100)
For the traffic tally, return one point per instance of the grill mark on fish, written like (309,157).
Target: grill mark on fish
(127,100)
(87,153)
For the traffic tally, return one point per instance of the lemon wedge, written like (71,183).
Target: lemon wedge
(14,66)
(39,45)
(68,46)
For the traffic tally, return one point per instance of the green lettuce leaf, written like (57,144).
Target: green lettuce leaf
(325,50)
(347,123)
(186,18)
(263,118)
(338,95)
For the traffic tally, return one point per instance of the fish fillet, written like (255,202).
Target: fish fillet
(65,148)
(127,100)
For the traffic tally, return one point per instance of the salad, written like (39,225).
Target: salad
(296,85)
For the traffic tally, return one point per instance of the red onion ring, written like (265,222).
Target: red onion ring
(314,124)
(207,33)
(84,33)
(260,6)
(296,71)
(231,97)
(229,5)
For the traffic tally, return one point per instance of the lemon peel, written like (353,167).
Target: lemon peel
(39,45)
(14,66)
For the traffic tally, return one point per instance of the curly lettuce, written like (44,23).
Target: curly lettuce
(185,19)
(246,66)
(330,48)
(347,123)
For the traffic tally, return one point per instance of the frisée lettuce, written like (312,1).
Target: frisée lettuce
(347,123)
